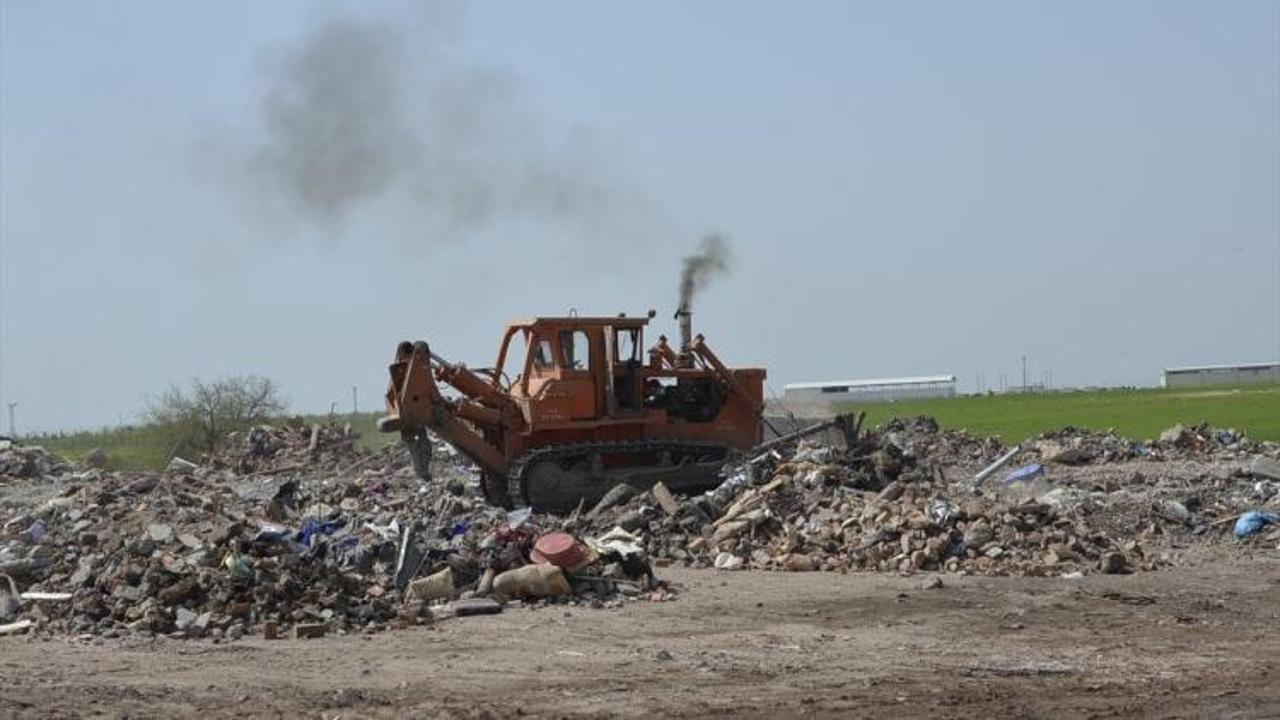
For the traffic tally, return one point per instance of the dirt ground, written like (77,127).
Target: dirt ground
(1196,641)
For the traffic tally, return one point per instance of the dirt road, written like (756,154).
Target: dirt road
(1191,642)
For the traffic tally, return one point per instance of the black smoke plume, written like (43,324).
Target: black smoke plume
(711,260)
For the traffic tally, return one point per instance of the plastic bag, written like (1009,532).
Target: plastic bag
(1253,521)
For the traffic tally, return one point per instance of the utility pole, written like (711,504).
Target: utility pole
(355,407)
(1024,373)
(13,428)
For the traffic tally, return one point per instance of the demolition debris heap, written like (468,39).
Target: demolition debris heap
(903,499)
(293,530)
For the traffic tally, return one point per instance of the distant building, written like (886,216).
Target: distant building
(1250,374)
(887,389)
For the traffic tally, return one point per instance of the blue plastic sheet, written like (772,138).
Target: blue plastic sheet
(1025,473)
(311,528)
(1253,521)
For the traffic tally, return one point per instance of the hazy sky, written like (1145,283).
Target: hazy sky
(289,188)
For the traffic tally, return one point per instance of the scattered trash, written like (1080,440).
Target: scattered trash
(562,550)
(15,627)
(886,505)
(308,631)
(619,542)
(1265,467)
(179,466)
(42,596)
(476,606)
(996,465)
(238,566)
(516,518)
(1254,521)
(34,533)
(291,527)
(9,605)
(728,561)
(1025,474)
(433,587)
(531,581)
(941,511)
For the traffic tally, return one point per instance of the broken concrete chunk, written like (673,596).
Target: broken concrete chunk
(179,466)
(160,532)
(1265,467)
(184,618)
(95,458)
(1177,436)
(1053,451)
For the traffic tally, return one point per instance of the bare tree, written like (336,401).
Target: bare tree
(208,411)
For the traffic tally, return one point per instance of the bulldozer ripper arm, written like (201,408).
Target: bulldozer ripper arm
(414,404)
(699,347)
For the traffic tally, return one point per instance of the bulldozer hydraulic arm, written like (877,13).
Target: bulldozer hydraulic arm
(415,404)
(726,377)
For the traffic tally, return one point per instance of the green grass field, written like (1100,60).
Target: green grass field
(1139,414)
(142,447)
(149,447)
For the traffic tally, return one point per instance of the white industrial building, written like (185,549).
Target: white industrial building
(883,390)
(1247,374)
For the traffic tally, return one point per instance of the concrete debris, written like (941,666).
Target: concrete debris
(292,531)
(1177,436)
(288,531)
(1265,468)
(901,501)
(181,466)
(29,461)
(96,458)
(1073,453)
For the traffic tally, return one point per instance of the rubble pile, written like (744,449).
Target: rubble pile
(211,552)
(1078,446)
(27,461)
(269,448)
(903,500)
(295,530)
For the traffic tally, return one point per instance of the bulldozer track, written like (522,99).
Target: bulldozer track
(516,475)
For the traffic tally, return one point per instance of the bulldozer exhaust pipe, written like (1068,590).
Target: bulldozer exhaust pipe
(685,316)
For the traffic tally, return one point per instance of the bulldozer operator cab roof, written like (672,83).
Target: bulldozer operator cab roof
(565,343)
(621,321)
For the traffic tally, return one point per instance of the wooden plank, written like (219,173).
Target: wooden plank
(15,627)
(666,499)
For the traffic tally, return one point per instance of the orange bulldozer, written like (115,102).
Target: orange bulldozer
(585,410)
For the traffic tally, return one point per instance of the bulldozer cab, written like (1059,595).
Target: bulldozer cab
(571,368)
